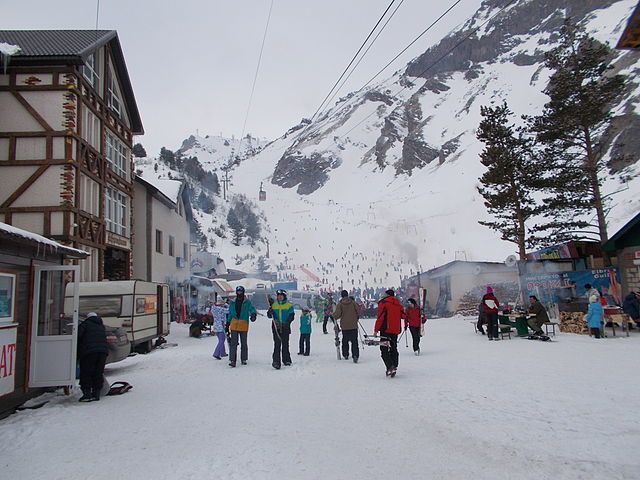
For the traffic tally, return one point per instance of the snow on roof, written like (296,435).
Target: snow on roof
(34,237)
(8,49)
(169,188)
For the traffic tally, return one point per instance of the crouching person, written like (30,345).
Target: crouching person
(92,356)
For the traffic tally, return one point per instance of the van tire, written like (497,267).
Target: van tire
(144,347)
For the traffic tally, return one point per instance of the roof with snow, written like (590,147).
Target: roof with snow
(169,188)
(631,36)
(627,236)
(70,47)
(14,234)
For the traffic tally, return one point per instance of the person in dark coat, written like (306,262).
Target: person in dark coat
(541,316)
(92,356)
(631,306)
(347,312)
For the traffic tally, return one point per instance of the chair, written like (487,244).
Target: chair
(553,328)
(504,329)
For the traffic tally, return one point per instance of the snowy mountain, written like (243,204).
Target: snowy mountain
(383,183)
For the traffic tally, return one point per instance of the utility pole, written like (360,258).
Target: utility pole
(225,183)
(267,248)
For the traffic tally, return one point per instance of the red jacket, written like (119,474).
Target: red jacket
(390,315)
(414,317)
(487,300)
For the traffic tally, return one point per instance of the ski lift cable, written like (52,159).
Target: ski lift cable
(410,44)
(353,59)
(255,76)
(367,50)
(430,66)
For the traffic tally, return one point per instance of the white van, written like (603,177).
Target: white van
(141,308)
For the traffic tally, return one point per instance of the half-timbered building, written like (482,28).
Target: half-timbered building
(67,120)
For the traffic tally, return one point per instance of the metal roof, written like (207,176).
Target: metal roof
(71,47)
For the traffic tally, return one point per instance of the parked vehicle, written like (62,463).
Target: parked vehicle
(141,308)
(119,345)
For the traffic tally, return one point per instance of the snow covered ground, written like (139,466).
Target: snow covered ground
(466,408)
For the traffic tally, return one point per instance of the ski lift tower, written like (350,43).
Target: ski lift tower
(262,195)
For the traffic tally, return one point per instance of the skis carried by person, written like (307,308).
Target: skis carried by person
(336,331)
(423,308)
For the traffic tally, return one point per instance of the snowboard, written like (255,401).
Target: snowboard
(543,338)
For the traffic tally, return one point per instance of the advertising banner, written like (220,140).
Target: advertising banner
(8,337)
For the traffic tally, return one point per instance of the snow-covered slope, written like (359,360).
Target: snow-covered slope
(383,183)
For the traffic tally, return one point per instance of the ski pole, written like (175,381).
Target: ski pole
(406,339)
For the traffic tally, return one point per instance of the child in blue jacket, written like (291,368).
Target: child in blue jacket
(594,315)
(305,333)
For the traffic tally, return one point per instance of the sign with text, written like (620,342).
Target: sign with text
(8,359)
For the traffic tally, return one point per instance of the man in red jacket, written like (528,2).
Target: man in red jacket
(389,324)
(415,319)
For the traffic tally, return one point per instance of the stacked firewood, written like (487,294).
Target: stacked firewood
(573,322)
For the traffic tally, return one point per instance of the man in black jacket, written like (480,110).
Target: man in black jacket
(92,355)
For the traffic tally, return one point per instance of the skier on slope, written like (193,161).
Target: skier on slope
(348,313)
(241,310)
(281,311)
(415,318)
(389,324)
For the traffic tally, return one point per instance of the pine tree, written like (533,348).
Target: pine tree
(236,227)
(581,91)
(138,151)
(511,176)
(261,264)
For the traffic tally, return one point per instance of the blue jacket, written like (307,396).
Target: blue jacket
(594,315)
(305,324)
(281,312)
(241,323)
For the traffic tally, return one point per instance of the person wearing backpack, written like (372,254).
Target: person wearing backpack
(241,311)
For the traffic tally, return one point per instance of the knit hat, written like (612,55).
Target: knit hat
(489,289)
(344,294)
(91,314)
(391,293)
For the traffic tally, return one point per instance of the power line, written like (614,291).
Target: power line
(255,77)
(353,59)
(429,67)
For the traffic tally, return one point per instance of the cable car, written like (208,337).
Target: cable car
(262,195)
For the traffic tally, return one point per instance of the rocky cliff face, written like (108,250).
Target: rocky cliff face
(404,126)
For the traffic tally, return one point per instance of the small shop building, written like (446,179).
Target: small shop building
(37,336)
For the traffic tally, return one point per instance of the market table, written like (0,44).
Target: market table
(518,320)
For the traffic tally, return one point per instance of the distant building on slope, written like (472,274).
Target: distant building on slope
(67,120)
(630,38)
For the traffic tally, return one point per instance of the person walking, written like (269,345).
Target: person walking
(594,315)
(304,345)
(92,356)
(347,312)
(490,305)
(329,306)
(415,319)
(219,312)
(241,310)
(282,315)
(541,316)
(389,324)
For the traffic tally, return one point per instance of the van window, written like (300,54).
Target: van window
(104,306)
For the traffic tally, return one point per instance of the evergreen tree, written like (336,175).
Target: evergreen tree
(261,264)
(168,157)
(511,176)
(581,91)
(138,151)
(236,227)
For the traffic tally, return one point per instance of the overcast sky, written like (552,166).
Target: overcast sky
(192,62)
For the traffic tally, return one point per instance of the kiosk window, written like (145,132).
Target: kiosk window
(7,295)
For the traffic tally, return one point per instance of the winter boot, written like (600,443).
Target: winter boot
(232,364)
(355,359)
(86,397)
(244,362)
(276,365)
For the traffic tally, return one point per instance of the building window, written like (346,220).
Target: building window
(116,211)
(158,241)
(117,156)
(89,195)
(113,93)
(171,245)
(90,127)
(90,71)
(7,297)
(185,251)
